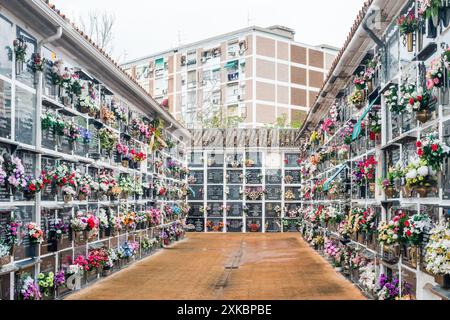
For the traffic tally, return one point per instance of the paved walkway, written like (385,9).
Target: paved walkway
(228,266)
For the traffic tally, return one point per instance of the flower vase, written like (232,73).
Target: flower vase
(410,42)
(54,90)
(106,272)
(5,261)
(19,67)
(423,116)
(432,27)
(67,198)
(423,191)
(370,86)
(372,187)
(389,191)
(443,281)
(32,250)
(338,269)
(83,109)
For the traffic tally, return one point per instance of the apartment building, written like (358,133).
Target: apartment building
(247,78)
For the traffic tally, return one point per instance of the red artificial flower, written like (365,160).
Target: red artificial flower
(32,187)
(420,152)
(419,98)
(435,147)
(408,233)
(407,224)
(411,101)
(419,144)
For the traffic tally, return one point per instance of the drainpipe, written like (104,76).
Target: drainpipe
(375,38)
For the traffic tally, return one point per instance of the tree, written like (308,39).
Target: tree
(99,26)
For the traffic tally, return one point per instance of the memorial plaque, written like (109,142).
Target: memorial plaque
(216,209)
(5,285)
(5,110)
(215,160)
(295,176)
(234,176)
(48,264)
(26,216)
(273,209)
(215,176)
(296,192)
(254,209)
(235,210)
(195,209)
(25,116)
(195,159)
(234,225)
(199,224)
(273,225)
(29,164)
(273,177)
(254,176)
(235,160)
(215,193)
(196,193)
(94,145)
(254,225)
(5,217)
(273,192)
(291,160)
(198,176)
(256,157)
(234,192)
(48,217)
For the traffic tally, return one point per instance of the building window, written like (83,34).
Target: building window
(233,49)
(192,79)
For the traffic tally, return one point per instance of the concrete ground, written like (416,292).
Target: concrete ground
(229,267)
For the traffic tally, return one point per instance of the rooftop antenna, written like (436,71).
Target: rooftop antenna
(248,18)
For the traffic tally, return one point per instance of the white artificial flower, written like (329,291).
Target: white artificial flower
(423,171)
(412,174)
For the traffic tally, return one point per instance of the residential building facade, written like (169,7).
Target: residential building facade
(248,78)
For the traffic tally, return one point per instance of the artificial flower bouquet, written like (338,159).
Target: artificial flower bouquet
(357,99)
(435,75)
(35,234)
(421,176)
(415,227)
(29,289)
(392,233)
(407,23)
(437,251)
(254,193)
(433,151)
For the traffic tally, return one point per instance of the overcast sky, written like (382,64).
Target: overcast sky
(144,27)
